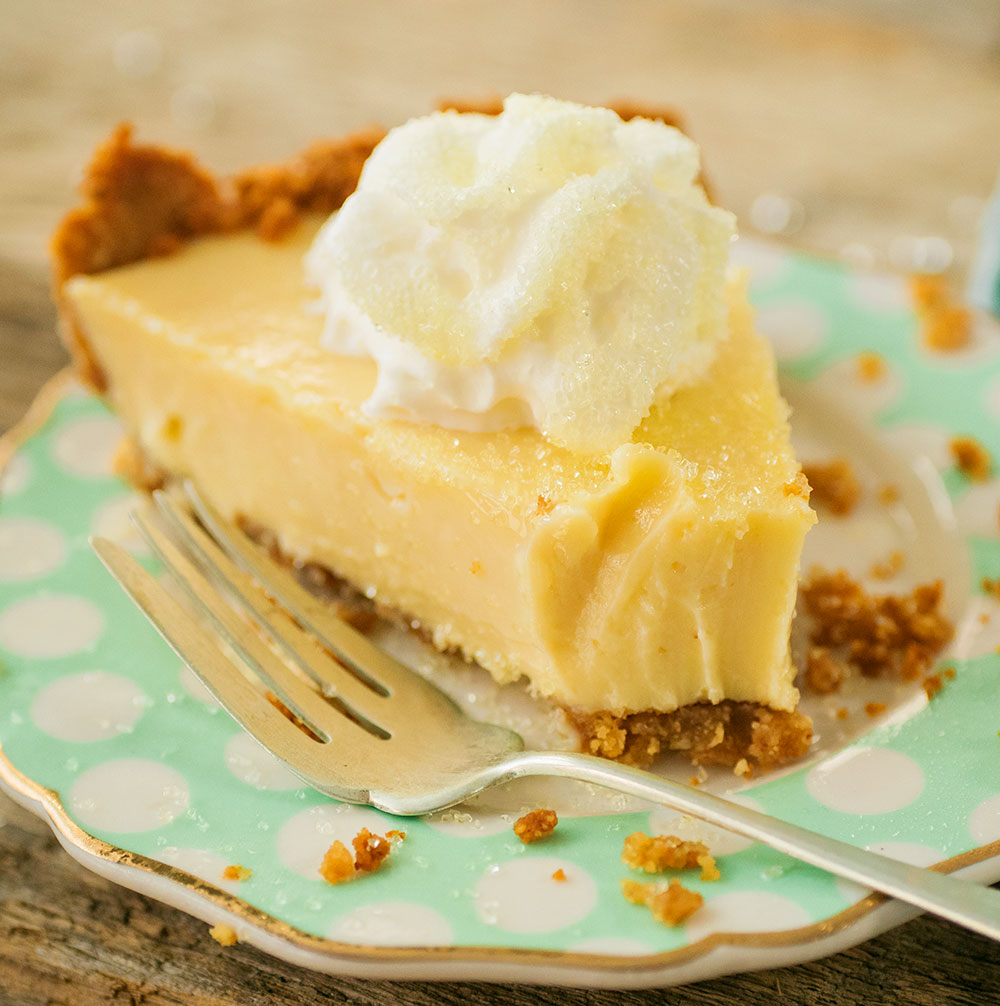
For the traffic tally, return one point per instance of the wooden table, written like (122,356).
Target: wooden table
(872,133)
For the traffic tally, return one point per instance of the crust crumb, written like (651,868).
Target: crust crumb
(834,485)
(742,768)
(870,366)
(898,634)
(536,825)
(946,324)
(933,683)
(972,459)
(875,708)
(888,494)
(888,567)
(224,935)
(670,903)
(656,853)
(842,713)
(560,876)
(370,853)
(237,872)
(990,586)
(823,674)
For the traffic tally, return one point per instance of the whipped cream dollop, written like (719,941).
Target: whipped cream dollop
(552,266)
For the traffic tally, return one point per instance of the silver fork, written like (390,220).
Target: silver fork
(378,733)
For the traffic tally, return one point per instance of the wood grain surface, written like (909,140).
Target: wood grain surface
(878,122)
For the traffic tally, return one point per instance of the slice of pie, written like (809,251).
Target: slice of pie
(647,590)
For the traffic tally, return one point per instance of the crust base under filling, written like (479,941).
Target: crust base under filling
(725,734)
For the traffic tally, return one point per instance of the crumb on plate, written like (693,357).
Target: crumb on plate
(946,323)
(370,853)
(560,875)
(535,825)
(824,673)
(972,458)
(875,708)
(670,903)
(834,485)
(889,566)
(870,366)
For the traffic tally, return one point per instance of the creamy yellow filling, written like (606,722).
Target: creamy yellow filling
(661,574)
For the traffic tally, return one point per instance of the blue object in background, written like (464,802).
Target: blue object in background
(984,288)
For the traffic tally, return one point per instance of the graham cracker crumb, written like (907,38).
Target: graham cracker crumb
(823,673)
(560,876)
(370,853)
(742,768)
(888,494)
(535,825)
(990,586)
(237,872)
(932,685)
(224,935)
(842,713)
(877,634)
(709,870)
(869,366)
(694,781)
(395,836)
(972,459)
(888,567)
(338,865)
(875,708)
(656,853)
(834,485)
(946,324)
(670,903)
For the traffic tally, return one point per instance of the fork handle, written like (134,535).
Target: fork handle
(971,905)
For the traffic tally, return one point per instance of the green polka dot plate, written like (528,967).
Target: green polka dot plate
(146,781)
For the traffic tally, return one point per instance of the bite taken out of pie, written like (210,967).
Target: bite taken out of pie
(643,581)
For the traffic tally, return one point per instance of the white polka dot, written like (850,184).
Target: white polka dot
(90,706)
(866,780)
(984,821)
(29,548)
(50,625)
(611,945)
(251,764)
(393,924)
(977,511)
(746,912)
(128,795)
(978,633)
(765,262)
(15,476)
(855,396)
(470,823)
(920,442)
(521,896)
(112,521)
(904,852)
(794,327)
(664,821)
(200,863)
(195,687)
(86,446)
(882,292)
(303,839)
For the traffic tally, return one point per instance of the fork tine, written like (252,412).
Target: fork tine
(327,674)
(198,647)
(312,708)
(350,647)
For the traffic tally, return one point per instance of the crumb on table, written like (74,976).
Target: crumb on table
(972,458)
(834,485)
(535,825)
(223,935)
(670,903)
(237,872)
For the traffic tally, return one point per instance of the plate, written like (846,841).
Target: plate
(146,781)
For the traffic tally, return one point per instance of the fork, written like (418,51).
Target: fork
(361,727)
